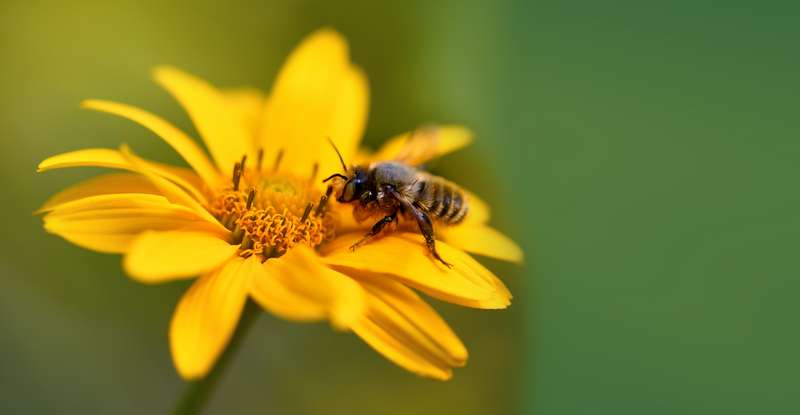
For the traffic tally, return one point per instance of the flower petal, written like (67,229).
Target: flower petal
(479,211)
(113,159)
(426,144)
(268,289)
(109,223)
(302,272)
(171,191)
(118,201)
(247,105)
(317,95)
(349,118)
(89,157)
(226,138)
(177,139)
(412,321)
(372,329)
(100,185)
(163,256)
(405,257)
(206,317)
(399,353)
(482,240)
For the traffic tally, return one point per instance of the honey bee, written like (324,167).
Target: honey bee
(399,187)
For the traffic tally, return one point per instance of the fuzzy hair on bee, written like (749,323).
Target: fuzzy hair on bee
(392,189)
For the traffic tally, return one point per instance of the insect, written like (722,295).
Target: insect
(398,187)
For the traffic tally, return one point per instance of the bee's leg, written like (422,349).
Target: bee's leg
(423,220)
(426,227)
(376,229)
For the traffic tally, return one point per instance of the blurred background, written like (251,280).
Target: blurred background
(645,157)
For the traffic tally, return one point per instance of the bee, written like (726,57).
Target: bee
(401,188)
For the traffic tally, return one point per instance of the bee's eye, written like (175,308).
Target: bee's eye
(349,192)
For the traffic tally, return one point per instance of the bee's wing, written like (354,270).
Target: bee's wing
(425,143)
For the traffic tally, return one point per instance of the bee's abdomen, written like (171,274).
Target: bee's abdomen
(444,201)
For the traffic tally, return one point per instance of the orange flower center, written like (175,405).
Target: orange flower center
(268,213)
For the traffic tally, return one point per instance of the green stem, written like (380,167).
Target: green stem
(197,393)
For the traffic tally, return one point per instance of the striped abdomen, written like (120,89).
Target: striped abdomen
(441,199)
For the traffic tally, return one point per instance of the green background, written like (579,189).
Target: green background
(644,156)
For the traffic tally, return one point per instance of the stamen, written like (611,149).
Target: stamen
(250,198)
(227,220)
(237,235)
(244,160)
(268,253)
(314,171)
(269,218)
(323,201)
(247,243)
(278,159)
(259,158)
(237,176)
(306,212)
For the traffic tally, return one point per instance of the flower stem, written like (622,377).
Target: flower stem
(197,393)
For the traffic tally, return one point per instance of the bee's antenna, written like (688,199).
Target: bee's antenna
(341,176)
(344,166)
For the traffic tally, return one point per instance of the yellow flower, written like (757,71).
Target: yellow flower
(255,223)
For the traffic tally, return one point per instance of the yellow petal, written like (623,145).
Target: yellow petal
(479,211)
(113,159)
(302,272)
(90,157)
(425,144)
(349,118)
(118,201)
(106,243)
(317,95)
(171,191)
(398,352)
(163,256)
(206,317)
(247,105)
(185,146)
(100,185)
(482,240)
(412,321)
(110,223)
(268,289)
(405,257)
(226,138)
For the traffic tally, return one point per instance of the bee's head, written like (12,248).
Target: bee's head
(355,182)
(355,186)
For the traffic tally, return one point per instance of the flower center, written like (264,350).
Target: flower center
(269,213)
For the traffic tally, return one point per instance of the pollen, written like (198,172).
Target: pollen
(268,213)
